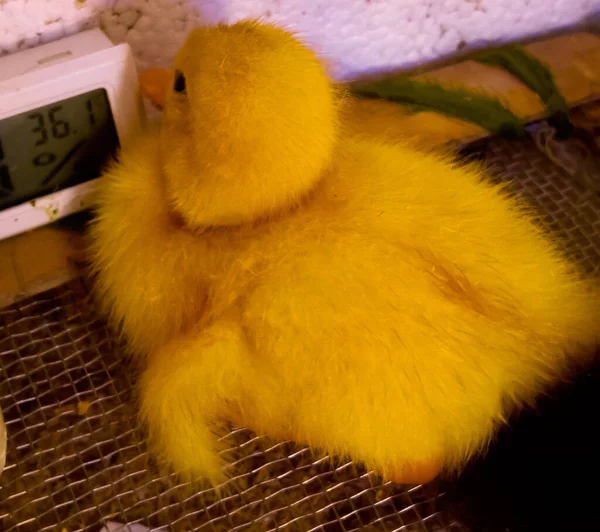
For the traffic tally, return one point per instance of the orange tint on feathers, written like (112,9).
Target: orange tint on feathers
(358,296)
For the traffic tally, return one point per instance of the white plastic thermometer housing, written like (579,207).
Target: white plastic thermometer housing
(35,79)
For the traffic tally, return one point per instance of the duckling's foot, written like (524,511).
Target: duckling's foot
(415,473)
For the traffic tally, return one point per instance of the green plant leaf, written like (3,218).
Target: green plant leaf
(456,102)
(535,74)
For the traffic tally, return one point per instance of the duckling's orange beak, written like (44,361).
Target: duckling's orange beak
(155,83)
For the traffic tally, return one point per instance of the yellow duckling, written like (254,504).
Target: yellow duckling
(361,297)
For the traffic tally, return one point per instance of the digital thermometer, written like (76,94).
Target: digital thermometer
(65,108)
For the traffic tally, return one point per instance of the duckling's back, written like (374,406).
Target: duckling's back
(407,305)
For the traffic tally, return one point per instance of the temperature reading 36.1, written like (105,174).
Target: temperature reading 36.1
(55,146)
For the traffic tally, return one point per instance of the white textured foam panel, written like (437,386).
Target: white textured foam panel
(356,36)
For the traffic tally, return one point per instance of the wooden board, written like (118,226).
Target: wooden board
(36,261)
(43,258)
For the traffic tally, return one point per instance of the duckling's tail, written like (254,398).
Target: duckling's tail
(183,391)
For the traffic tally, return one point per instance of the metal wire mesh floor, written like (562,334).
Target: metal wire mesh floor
(75,457)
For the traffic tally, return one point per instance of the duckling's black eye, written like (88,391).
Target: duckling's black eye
(179,85)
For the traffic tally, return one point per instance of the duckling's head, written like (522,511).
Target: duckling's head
(250,120)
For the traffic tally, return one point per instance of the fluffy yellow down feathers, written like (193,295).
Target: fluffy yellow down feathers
(270,268)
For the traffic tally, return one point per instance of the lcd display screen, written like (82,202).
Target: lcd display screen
(55,147)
